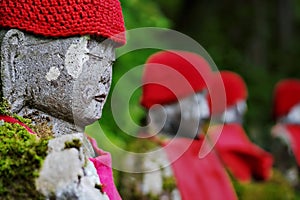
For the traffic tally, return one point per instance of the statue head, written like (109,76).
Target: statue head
(286,101)
(236,95)
(57,57)
(174,92)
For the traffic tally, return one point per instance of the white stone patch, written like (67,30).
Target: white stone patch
(53,74)
(76,56)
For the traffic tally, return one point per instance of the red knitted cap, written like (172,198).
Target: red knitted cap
(171,75)
(286,95)
(63,18)
(235,89)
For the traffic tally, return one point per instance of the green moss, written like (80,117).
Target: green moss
(75,143)
(275,188)
(169,184)
(21,157)
(4,107)
(141,146)
(152,197)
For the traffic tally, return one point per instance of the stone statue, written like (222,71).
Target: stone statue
(167,164)
(245,160)
(285,133)
(56,66)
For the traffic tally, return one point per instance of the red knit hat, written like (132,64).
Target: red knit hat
(172,75)
(286,95)
(235,89)
(65,17)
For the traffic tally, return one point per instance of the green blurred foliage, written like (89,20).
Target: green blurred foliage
(277,188)
(142,13)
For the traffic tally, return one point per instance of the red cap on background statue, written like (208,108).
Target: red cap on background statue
(65,18)
(286,95)
(234,86)
(172,75)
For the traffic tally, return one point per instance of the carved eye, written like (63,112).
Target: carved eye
(97,57)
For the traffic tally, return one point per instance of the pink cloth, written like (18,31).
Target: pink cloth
(198,178)
(243,158)
(103,166)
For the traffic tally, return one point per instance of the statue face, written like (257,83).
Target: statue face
(93,83)
(67,78)
(184,118)
(293,116)
(235,113)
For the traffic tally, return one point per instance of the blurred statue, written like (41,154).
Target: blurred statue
(286,111)
(250,166)
(56,66)
(167,164)
(244,160)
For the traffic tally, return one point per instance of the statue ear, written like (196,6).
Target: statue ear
(10,49)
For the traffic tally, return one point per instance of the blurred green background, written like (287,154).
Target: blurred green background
(257,39)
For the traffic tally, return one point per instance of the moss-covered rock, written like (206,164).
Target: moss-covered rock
(21,156)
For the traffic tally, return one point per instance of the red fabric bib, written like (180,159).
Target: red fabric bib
(197,178)
(243,158)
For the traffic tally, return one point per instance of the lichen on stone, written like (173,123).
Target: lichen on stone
(75,143)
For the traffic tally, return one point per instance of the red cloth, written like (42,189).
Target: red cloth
(12,120)
(103,166)
(198,178)
(61,18)
(286,95)
(243,158)
(172,75)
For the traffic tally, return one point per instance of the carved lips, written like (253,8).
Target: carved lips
(100,98)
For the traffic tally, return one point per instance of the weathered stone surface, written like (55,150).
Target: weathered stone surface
(67,173)
(65,79)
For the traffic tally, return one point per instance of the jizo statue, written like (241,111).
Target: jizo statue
(56,63)
(174,93)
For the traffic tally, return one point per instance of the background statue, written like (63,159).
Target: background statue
(286,112)
(168,165)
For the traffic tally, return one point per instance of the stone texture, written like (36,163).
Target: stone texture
(67,173)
